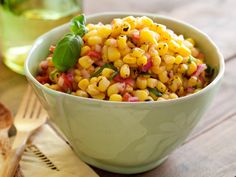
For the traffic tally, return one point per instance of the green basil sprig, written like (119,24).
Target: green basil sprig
(68,49)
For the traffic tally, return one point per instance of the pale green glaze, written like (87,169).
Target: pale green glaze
(125,137)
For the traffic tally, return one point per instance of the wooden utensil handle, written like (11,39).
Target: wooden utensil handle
(14,156)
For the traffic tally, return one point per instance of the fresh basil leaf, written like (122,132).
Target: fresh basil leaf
(67,52)
(155,91)
(78,25)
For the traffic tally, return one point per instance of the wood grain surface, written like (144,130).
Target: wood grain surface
(210,150)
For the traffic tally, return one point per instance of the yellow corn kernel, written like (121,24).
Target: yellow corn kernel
(173,96)
(165,36)
(85,61)
(129,59)
(183,68)
(125,71)
(176,83)
(115,97)
(144,47)
(147,35)
(178,59)
(121,41)
(93,40)
(188,44)
(104,31)
(90,33)
(163,76)
(181,91)
(169,60)
(145,21)
(141,82)
(137,52)
(197,90)
(191,41)
(194,52)
(103,84)
(161,87)
(162,48)
(111,42)
(107,72)
(192,81)
(78,78)
(131,20)
(141,94)
(141,61)
(105,53)
(159,28)
(165,96)
(93,80)
(116,27)
(83,84)
(169,67)
(151,82)
(118,63)
(161,99)
(149,98)
(156,60)
(174,46)
(129,88)
(192,67)
(113,54)
(99,96)
(113,89)
(90,26)
(77,72)
(125,51)
(130,44)
(84,50)
(184,51)
(54,87)
(81,93)
(125,27)
(92,89)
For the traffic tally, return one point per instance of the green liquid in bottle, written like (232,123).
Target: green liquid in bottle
(23,22)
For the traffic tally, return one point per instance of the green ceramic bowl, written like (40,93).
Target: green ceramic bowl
(125,137)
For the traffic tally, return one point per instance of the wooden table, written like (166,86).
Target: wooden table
(210,151)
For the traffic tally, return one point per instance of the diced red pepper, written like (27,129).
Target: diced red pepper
(94,54)
(67,82)
(146,67)
(43,79)
(127,81)
(129,98)
(52,48)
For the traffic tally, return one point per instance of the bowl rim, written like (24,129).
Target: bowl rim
(154,16)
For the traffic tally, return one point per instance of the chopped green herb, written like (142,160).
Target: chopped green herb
(107,65)
(191,59)
(210,71)
(114,75)
(54,75)
(155,91)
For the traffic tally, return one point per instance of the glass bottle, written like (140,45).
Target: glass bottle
(22,21)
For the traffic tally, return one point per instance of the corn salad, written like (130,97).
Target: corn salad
(131,59)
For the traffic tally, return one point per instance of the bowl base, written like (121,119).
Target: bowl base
(122,169)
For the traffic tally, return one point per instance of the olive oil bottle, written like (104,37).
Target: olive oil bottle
(22,21)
